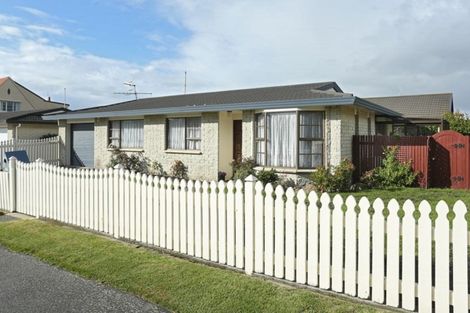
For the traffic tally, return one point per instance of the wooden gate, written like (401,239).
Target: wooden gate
(449,160)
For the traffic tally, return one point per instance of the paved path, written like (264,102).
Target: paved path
(29,285)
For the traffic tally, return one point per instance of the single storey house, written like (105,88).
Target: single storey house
(422,115)
(21,111)
(293,129)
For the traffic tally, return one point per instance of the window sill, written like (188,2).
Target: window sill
(285,170)
(172,151)
(128,149)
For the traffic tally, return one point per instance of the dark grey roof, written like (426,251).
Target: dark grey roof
(290,92)
(291,96)
(430,106)
(31,116)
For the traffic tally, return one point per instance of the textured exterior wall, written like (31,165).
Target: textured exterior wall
(32,131)
(102,153)
(248,129)
(333,136)
(225,142)
(348,128)
(201,165)
(64,134)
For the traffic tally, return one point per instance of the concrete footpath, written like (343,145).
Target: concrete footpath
(29,285)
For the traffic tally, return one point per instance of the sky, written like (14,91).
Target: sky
(369,47)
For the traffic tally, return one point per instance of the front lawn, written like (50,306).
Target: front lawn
(176,284)
(432,195)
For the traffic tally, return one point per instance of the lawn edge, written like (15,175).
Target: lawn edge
(196,260)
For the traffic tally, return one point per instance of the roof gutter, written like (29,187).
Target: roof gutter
(283,104)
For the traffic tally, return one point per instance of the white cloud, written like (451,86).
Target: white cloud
(46,29)
(369,48)
(34,11)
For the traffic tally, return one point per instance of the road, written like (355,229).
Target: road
(29,285)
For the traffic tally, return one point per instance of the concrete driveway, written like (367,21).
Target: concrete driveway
(29,285)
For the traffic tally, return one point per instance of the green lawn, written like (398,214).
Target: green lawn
(176,284)
(432,195)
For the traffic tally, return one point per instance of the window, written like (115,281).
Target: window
(9,106)
(126,134)
(289,139)
(184,133)
(369,126)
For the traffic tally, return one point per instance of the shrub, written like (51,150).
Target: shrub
(221,176)
(179,170)
(267,176)
(135,162)
(155,168)
(392,173)
(458,121)
(243,168)
(334,178)
(289,183)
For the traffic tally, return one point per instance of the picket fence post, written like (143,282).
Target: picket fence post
(12,172)
(249,223)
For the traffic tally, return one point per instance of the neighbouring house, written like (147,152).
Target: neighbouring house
(293,129)
(421,114)
(21,112)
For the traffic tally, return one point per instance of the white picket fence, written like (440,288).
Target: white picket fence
(46,149)
(283,234)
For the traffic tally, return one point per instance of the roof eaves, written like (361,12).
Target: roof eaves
(375,107)
(209,108)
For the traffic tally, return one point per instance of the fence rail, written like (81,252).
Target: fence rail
(393,260)
(45,149)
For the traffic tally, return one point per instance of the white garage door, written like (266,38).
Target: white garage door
(83,138)
(3,134)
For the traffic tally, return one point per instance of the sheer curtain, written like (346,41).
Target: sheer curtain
(281,139)
(115,134)
(132,134)
(176,133)
(193,133)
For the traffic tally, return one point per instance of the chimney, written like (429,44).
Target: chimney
(49,99)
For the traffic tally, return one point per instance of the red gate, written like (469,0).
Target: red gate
(449,160)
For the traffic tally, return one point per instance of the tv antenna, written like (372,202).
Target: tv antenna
(132,90)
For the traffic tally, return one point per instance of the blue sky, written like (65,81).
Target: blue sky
(370,48)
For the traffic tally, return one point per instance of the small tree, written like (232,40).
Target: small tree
(459,122)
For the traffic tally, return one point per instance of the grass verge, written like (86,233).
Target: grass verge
(176,284)
(433,195)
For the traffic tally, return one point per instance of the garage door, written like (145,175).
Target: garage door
(83,145)
(3,134)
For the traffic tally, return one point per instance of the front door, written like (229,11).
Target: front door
(237,140)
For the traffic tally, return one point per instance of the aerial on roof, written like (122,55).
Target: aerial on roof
(289,92)
(290,96)
(430,106)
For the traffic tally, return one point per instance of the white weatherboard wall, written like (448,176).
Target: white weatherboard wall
(285,234)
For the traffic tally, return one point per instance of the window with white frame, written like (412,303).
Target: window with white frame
(289,139)
(127,134)
(9,106)
(184,133)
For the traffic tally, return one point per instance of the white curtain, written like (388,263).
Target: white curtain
(193,133)
(132,134)
(281,139)
(176,133)
(115,134)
